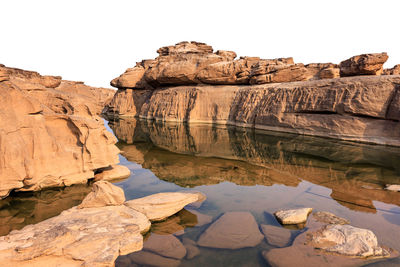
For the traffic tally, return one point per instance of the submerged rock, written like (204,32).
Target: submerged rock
(329,218)
(295,216)
(191,248)
(276,236)
(165,245)
(233,230)
(103,194)
(162,205)
(146,258)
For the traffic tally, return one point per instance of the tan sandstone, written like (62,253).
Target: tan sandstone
(103,194)
(365,64)
(295,216)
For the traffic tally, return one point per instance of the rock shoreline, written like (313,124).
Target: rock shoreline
(359,104)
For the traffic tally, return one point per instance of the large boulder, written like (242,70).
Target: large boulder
(365,64)
(49,137)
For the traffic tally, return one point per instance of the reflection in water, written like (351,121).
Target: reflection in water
(256,171)
(21,209)
(205,155)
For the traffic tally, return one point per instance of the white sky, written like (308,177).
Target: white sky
(95,41)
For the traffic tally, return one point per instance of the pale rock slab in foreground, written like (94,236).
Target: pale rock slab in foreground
(233,230)
(162,205)
(393,187)
(296,216)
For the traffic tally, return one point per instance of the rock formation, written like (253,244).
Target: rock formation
(50,134)
(189,83)
(90,235)
(296,216)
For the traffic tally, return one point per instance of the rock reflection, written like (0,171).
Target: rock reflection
(192,155)
(22,209)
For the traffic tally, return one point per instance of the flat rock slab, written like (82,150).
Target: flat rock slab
(114,172)
(165,245)
(159,206)
(103,194)
(191,248)
(295,216)
(276,236)
(347,240)
(146,258)
(91,236)
(329,218)
(233,230)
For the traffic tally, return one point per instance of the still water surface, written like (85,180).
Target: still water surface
(238,170)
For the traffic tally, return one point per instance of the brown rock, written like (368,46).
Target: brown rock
(365,64)
(393,71)
(191,248)
(146,258)
(276,236)
(49,137)
(282,73)
(233,230)
(92,237)
(165,245)
(114,172)
(103,194)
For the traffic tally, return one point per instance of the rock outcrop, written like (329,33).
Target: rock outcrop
(188,82)
(50,134)
(89,235)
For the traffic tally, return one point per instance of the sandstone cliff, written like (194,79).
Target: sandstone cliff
(190,83)
(50,135)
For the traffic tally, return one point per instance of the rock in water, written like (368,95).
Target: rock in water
(276,236)
(329,218)
(162,205)
(114,172)
(146,258)
(296,216)
(165,245)
(365,64)
(92,236)
(347,240)
(191,248)
(103,194)
(233,230)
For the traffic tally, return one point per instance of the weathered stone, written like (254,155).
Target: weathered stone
(365,64)
(50,136)
(233,230)
(329,218)
(165,245)
(93,237)
(146,258)
(393,71)
(276,236)
(162,205)
(295,216)
(114,172)
(191,248)
(103,194)
(347,240)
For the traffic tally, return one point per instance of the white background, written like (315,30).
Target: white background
(95,41)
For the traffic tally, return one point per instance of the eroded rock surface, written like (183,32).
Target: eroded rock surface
(233,230)
(162,205)
(365,64)
(103,194)
(50,134)
(295,216)
(114,172)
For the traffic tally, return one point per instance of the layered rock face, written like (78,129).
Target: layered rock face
(50,134)
(189,83)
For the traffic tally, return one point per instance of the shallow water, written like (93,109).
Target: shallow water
(259,172)
(238,170)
